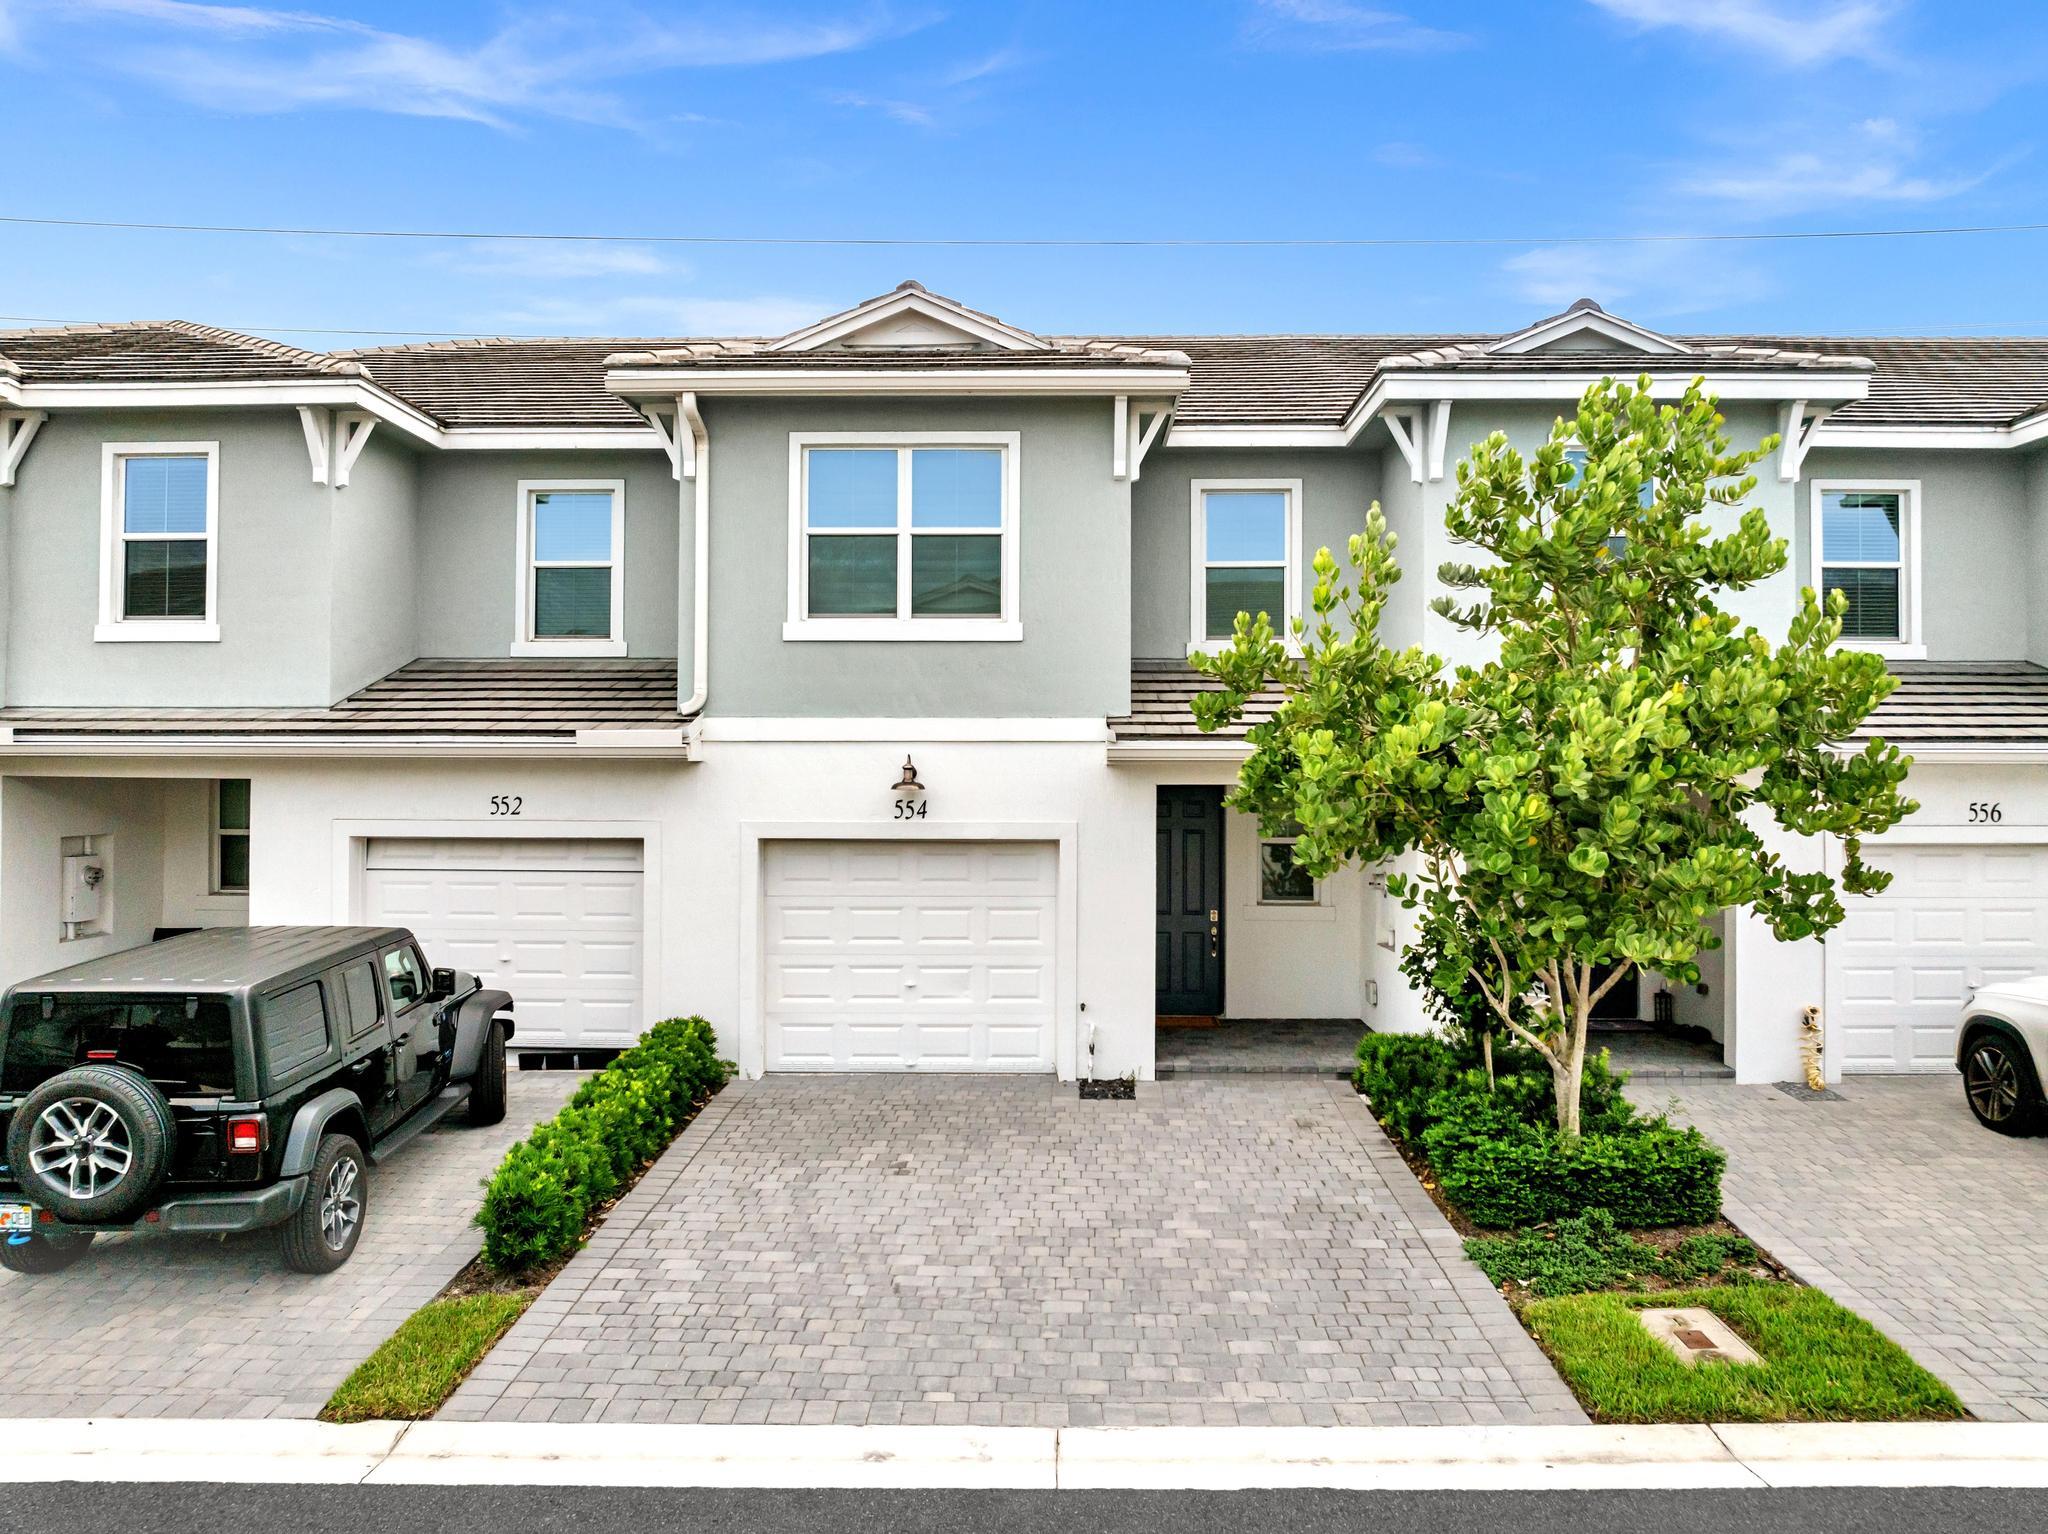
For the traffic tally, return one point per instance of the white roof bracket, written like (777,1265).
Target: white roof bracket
(1796,430)
(18,429)
(313,421)
(1439,434)
(1142,437)
(677,439)
(1411,450)
(1120,438)
(352,430)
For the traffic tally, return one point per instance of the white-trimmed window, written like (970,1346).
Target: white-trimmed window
(1646,496)
(159,541)
(571,595)
(903,536)
(1281,882)
(230,836)
(1246,537)
(1866,545)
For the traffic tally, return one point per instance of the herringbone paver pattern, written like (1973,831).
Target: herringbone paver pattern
(1896,1202)
(162,1326)
(974,1250)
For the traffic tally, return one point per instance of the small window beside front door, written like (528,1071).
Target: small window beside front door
(231,836)
(1281,880)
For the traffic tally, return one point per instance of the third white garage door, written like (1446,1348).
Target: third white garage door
(1900,966)
(934,956)
(555,922)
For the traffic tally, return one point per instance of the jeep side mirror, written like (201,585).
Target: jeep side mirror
(440,983)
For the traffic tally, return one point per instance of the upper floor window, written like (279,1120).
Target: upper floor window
(159,524)
(1576,458)
(571,591)
(1866,546)
(903,536)
(1247,545)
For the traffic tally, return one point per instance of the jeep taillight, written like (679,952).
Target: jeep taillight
(248,1136)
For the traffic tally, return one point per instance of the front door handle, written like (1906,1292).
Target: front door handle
(1214,931)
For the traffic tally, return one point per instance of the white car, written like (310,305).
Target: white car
(2002,1051)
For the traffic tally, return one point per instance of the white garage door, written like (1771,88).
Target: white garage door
(555,923)
(1901,964)
(936,956)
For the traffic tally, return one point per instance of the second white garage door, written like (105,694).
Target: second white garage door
(933,956)
(557,923)
(1901,965)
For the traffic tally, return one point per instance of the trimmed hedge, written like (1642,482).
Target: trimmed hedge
(1497,1153)
(540,1199)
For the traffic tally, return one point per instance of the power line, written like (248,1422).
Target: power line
(1050,242)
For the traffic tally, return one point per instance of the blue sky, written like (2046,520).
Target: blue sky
(1519,122)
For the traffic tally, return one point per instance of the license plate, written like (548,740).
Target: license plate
(17,1217)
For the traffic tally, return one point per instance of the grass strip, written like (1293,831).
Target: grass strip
(418,1366)
(1822,1363)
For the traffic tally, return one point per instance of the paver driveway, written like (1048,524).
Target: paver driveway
(157,1326)
(1898,1204)
(840,1249)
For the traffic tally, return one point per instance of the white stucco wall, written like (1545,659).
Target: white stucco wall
(36,815)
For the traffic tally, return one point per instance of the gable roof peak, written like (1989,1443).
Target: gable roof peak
(909,316)
(1585,325)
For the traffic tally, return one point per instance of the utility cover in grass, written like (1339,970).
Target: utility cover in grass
(1821,1363)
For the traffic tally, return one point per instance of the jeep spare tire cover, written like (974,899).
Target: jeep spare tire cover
(92,1144)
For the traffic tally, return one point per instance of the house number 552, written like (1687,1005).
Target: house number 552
(507,804)
(1986,812)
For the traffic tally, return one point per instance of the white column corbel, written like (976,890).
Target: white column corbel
(351,434)
(678,440)
(1439,434)
(1796,433)
(313,421)
(18,429)
(1145,431)
(1120,438)
(1411,449)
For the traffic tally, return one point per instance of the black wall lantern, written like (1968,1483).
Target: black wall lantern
(908,784)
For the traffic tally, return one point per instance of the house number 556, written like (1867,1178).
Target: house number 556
(1986,812)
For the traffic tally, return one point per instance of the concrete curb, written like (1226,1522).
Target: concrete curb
(1204,1458)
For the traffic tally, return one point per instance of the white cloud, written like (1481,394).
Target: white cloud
(1666,280)
(912,114)
(558,64)
(1872,163)
(1339,26)
(661,314)
(556,259)
(1793,34)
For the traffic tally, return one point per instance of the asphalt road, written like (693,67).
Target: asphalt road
(201,1509)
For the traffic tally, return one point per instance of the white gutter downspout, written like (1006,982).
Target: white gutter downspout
(697,468)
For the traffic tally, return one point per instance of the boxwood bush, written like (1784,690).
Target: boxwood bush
(540,1199)
(1498,1156)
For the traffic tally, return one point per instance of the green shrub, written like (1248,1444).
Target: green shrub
(1589,1252)
(1503,1170)
(1399,1073)
(540,1199)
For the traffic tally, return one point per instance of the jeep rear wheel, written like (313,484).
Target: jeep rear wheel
(37,1253)
(323,1234)
(92,1145)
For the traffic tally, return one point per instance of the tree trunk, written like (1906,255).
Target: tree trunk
(1575,1008)
(1486,1054)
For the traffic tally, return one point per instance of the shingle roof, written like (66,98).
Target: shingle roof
(1937,704)
(1963,703)
(158,351)
(1161,691)
(505,699)
(1309,380)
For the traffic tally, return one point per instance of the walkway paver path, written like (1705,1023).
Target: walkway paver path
(1288,1046)
(1242,1249)
(1896,1202)
(164,1326)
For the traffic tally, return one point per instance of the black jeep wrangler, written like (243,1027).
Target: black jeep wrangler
(229,1080)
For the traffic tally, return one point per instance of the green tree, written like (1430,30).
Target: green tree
(1581,804)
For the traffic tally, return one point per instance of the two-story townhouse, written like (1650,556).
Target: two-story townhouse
(834,685)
